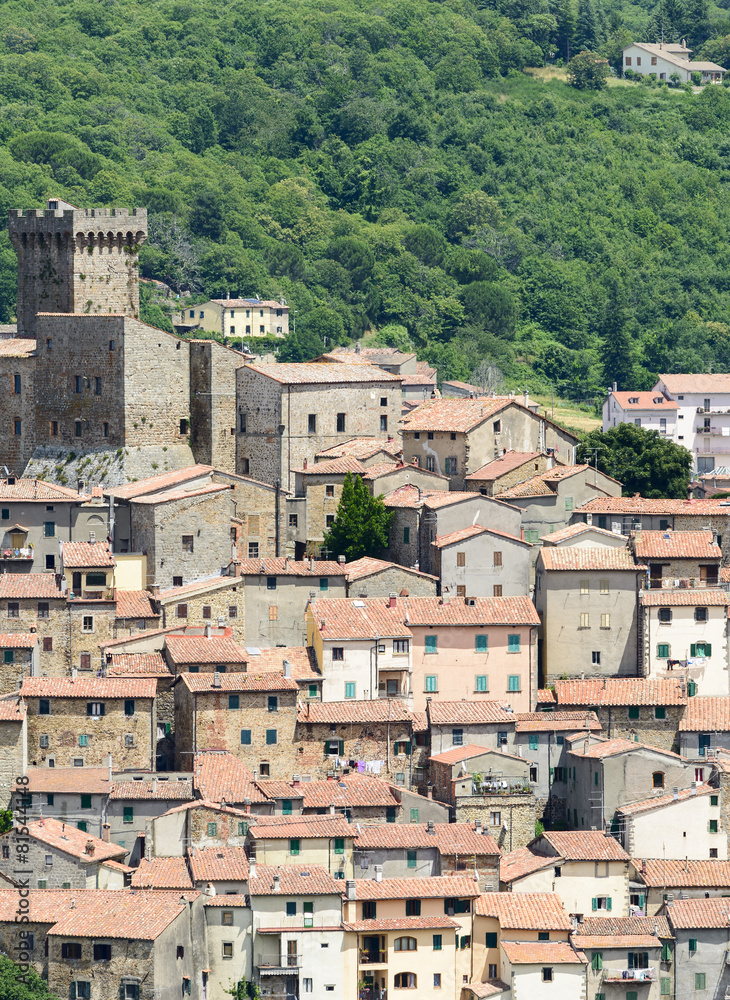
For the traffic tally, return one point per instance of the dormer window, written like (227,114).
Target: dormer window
(633,399)
(659,399)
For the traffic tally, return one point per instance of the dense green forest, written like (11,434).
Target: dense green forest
(391,166)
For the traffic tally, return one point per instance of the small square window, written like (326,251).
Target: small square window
(270,737)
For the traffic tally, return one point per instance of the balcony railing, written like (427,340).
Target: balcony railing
(683,583)
(274,965)
(19,555)
(373,957)
(629,975)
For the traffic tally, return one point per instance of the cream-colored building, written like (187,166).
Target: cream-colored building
(237,317)
(686,825)
(303,840)
(229,941)
(667,60)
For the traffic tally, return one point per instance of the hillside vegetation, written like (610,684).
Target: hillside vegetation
(388,165)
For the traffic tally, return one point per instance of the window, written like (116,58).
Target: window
(692,945)
(400,645)
(273,703)
(534,741)
(291,909)
(49,529)
(405,944)
(480,643)
(270,737)
(413,907)
(187,543)
(660,712)
(312,423)
(432,683)
(700,981)
(313,691)
(95,709)
(338,652)
(584,620)
(497,426)
(324,583)
(634,712)
(405,981)
(8,656)
(665,615)
(451,466)
(86,801)
(129,814)
(87,623)
(70,949)
(481,683)
(495,818)
(233,701)
(245,466)
(340,423)
(700,649)
(513,682)
(293,520)
(350,689)
(700,614)
(602,903)
(461,558)
(657,779)
(77,428)
(177,581)
(383,423)
(233,611)
(665,987)
(406,536)
(253,550)
(79,989)
(294,847)
(48,644)
(662,650)
(547,972)
(513,645)
(431,644)
(102,952)
(369,910)
(182,611)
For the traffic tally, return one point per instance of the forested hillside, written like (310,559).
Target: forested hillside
(388,165)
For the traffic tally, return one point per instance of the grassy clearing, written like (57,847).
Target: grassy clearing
(570,415)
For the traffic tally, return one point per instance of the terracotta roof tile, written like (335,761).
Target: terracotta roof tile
(45,906)
(576,530)
(70,840)
(614,747)
(168,496)
(184,649)
(210,683)
(348,790)
(303,827)
(435,887)
(284,566)
(491,988)
(134,604)
(524,911)
(137,665)
(162,873)
(333,467)
(706,714)
(620,691)
(165,480)
(546,696)
(449,838)
(227,863)
(322,374)
(74,780)
(17,347)
(460,415)
(501,466)
(686,914)
(169,790)
(585,845)
(675,545)
(400,924)
(483,611)
(18,640)
(662,801)
(30,585)
(652,400)
(657,873)
(465,752)
(302,661)
(420,722)
(86,554)
(198,587)
(703,382)
(88,687)
(132,914)
(35,489)
(543,484)
(521,862)
(12,709)
(368,566)
(444,713)
(619,926)
(686,598)
(542,953)
(643,505)
(220,776)
(294,880)
(362,448)
(594,558)
(453,537)
(390,709)
(548,722)
(227,901)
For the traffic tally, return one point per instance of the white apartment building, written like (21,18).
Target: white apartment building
(692,410)
(666,60)
(237,317)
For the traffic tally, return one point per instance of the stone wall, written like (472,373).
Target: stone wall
(531,468)
(403,552)
(255,514)
(64,871)
(517,815)
(615,723)
(715,522)
(213,403)
(392,581)
(53,662)
(133,959)
(361,741)
(17,448)
(224,599)
(13,758)
(156,386)
(69,721)
(12,674)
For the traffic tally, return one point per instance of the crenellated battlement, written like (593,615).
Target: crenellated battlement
(63,219)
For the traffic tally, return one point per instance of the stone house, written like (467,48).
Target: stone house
(628,951)
(455,437)
(20,658)
(17,401)
(367,450)
(510,468)
(59,856)
(253,716)
(686,823)
(88,570)
(704,729)
(700,951)
(425,850)
(25,941)
(204,651)
(318,840)
(276,592)
(358,797)
(678,558)
(608,774)
(13,745)
(378,912)
(284,417)
(370,577)
(296,913)
(134,613)
(478,766)
(638,708)
(225,867)
(482,562)
(219,776)
(235,318)
(136,799)
(73,795)
(587,600)
(216,601)
(119,497)
(36,600)
(333,735)
(686,626)
(196,826)
(75,721)
(259,521)
(127,943)
(584,536)
(681,879)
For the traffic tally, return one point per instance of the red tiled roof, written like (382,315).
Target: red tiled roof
(11,709)
(688,598)
(70,840)
(284,566)
(546,696)
(619,926)
(368,566)
(501,466)
(644,401)
(686,914)
(621,691)
(136,665)
(584,845)
(34,489)
(444,713)
(134,604)
(362,448)
(400,924)
(227,863)
(460,415)
(333,467)
(491,988)
(209,683)
(542,953)
(706,714)
(162,873)
(199,587)
(134,914)
(442,541)
(167,496)
(594,558)
(86,554)
(435,887)
(155,483)
(521,862)
(675,545)
(578,529)
(643,505)
(660,801)
(525,911)
(546,722)
(88,687)
(611,748)
(220,776)
(30,585)
(544,484)
(449,838)
(294,880)
(75,780)
(18,640)
(658,873)
(466,752)
(44,906)
(183,649)
(390,709)
(322,374)
(303,827)
(702,382)
(302,661)
(156,790)
(349,789)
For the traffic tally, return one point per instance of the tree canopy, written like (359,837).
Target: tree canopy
(16,984)
(644,461)
(361,524)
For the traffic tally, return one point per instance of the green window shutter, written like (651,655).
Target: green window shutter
(595,777)
(491,939)
(666,952)
(594,903)
(641,894)
(212,829)
(513,643)
(634,711)
(700,981)
(72,991)
(286,807)
(294,847)
(312,690)
(82,825)
(233,701)
(414,815)
(406,536)
(168,728)
(431,643)
(693,649)
(597,961)
(246,737)
(390,814)
(271,737)
(713,826)
(129,814)
(339,845)
(632,995)
(609,903)
(481,644)
(708,649)
(534,741)
(412,859)
(350,690)
(481,684)
(341,750)
(693,944)
(86,802)
(665,987)
(662,650)
(437,942)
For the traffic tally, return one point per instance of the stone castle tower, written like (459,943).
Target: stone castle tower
(76,260)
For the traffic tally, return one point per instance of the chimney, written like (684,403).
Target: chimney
(247,805)
(311,564)
(378,869)
(207,632)
(392,600)
(109,761)
(693,788)
(89,849)
(276,883)
(615,387)
(429,792)
(295,781)
(252,868)
(675,794)
(304,464)
(527,397)
(105,832)
(351,889)
(341,560)
(429,828)
(478,826)
(332,807)
(73,674)
(216,679)
(209,889)
(414,460)
(286,562)
(287,668)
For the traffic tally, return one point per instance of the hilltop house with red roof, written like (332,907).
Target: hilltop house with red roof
(59,855)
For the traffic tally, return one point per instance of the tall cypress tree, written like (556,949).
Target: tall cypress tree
(565,32)
(361,525)
(586,38)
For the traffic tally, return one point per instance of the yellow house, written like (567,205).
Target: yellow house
(296,840)
(237,317)
(501,917)
(88,569)
(411,933)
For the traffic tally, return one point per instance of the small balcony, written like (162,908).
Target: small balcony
(684,583)
(278,965)
(16,555)
(373,957)
(629,976)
